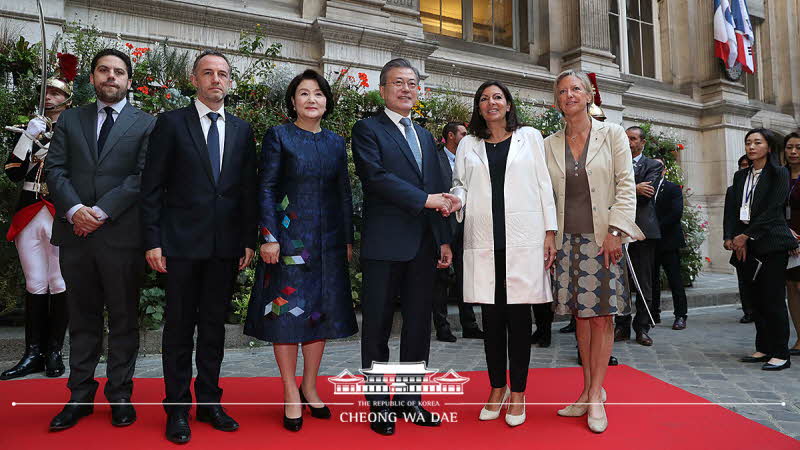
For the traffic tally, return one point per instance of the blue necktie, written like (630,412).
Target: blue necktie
(213,145)
(411,138)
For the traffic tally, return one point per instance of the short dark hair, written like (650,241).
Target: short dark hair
(451,127)
(638,130)
(477,124)
(792,135)
(309,74)
(205,53)
(113,52)
(393,64)
(773,141)
(742,159)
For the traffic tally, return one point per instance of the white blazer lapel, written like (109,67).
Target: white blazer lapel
(599,132)
(557,149)
(517,145)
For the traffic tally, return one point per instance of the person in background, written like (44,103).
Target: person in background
(668,199)
(747,306)
(755,229)
(452,133)
(791,153)
(303,298)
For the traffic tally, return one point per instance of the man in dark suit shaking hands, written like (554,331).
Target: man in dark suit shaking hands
(402,234)
(94,171)
(199,210)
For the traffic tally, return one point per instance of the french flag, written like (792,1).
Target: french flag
(744,35)
(725,37)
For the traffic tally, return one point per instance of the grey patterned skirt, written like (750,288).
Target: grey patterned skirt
(583,287)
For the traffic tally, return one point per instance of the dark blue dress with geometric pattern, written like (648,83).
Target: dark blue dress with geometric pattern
(306,207)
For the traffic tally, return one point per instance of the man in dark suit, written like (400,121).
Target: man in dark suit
(452,133)
(94,172)
(402,234)
(668,199)
(642,253)
(199,210)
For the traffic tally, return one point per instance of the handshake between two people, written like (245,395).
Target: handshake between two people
(444,203)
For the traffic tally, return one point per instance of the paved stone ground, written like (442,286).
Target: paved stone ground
(701,359)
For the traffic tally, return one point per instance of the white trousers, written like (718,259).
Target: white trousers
(39,258)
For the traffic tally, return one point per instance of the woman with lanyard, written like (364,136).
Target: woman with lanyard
(761,240)
(791,153)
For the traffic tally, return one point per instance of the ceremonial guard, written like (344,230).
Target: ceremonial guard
(45,297)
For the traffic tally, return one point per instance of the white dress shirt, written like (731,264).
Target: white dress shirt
(101,117)
(394,117)
(637,159)
(451,158)
(205,124)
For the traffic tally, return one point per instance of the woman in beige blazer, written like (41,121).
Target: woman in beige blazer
(503,194)
(592,172)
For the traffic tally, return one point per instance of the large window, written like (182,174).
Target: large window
(633,25)
(497,22)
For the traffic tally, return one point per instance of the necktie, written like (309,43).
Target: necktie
(411,138)
(105,129)
(213,145)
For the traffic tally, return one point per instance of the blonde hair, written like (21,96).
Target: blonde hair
(581,76)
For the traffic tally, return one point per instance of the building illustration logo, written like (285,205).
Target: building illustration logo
(403,378)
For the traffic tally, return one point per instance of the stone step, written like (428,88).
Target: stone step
(709,290)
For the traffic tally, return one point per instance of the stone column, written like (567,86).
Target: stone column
(586,36)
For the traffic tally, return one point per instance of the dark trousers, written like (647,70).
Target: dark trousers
(465,312)
(747,303)
(100,276)
(198,293)
(507,335)
(382,282)
(642,255)
(670,260)
(768,292)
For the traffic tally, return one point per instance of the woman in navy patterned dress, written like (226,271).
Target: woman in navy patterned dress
(302,291)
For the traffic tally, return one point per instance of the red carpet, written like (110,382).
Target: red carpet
(652,427)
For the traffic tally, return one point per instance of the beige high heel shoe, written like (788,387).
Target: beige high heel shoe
(491,415)
(598,425)
(575,410)
(516,420)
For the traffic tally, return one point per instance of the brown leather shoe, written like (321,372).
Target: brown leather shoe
(680,323)
(620,335)
(643,339)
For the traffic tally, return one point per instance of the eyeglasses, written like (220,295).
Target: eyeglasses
(411,84)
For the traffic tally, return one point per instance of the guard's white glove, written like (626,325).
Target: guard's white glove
(36,127)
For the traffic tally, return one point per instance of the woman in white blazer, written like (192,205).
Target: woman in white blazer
(502,192)
(592,172)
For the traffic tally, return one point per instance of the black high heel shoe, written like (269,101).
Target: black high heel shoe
(292,424)
(317,413)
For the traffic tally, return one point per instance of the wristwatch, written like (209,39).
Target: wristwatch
(614,232)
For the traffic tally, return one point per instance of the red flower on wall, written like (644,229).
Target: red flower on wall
(364,80)
(680,146)
(144,90)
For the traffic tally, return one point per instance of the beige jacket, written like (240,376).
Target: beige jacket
(529,212)
(609,167)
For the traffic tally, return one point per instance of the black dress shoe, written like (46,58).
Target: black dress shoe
(621,335)
(794,351)
(755,359)
(292,424)
(679,324)
(774,367)
(381,421)
(122,413)
(472,333)
(178,430)
(32,362)
(445,336)
(612,361)
(643,339)
(416,414)
(747,318)
(69,416)
(318,413)
(569,328)
(54,365)
(217,417)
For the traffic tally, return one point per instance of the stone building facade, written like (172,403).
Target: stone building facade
(654,58)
